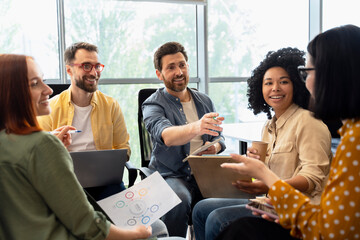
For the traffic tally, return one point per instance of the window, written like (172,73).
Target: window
(31,32)
(240,33)
(128,33)
(337,13)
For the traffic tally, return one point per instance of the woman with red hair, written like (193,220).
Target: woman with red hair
(40,195)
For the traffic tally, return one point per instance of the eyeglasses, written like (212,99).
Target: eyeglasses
(303,72)
(88,66)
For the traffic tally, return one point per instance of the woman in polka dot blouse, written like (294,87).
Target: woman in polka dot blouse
(333,79)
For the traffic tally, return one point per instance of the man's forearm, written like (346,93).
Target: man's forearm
(178,135)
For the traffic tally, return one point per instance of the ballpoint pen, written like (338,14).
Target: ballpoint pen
(70,131)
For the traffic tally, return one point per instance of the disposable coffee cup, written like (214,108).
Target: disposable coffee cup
(261,148)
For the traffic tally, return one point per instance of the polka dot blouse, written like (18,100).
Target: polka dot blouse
(338,215)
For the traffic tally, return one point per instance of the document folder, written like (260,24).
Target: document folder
(215,181)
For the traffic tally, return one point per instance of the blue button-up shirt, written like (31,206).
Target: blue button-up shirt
(162,110)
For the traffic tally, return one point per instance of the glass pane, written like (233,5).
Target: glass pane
(127,96)
(241,32)
(29,29)
(336,13)
(128,33)
(231,102)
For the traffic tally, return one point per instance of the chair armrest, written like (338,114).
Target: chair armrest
(145,172)
(132,172)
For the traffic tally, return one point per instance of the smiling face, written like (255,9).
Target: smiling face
(39,91)
(86,81)
(174,72)
(277,90)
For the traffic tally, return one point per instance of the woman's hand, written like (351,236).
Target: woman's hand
(63,135)
(142,232)
(253,168)
(257,187)
(139,232)
(265,216)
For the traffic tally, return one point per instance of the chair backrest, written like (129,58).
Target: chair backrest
(58,88)
(144,136)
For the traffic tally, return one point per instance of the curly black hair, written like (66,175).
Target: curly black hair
(287,58)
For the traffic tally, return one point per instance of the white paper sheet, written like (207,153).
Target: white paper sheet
(203,148)
(141,204)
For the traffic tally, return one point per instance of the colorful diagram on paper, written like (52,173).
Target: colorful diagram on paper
(139,210)
(141,204)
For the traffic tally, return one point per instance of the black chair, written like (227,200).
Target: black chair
(144,136)
(58,88)
(132,170)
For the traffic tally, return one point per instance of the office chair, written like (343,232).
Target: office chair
(132,170)
(144,136)
(146,144)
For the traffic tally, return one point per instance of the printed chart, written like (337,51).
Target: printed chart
(142,204)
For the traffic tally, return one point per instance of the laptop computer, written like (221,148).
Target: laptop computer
(215,181)
(99,168)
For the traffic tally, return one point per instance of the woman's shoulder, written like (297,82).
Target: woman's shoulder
(41,135)
(304,121)
(38,141)
(305,116)
(20,147)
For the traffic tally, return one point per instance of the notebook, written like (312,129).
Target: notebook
(99,168)
(215,181)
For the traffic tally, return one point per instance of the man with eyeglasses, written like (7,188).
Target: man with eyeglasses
(83,106)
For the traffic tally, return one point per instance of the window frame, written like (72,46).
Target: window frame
(202,80)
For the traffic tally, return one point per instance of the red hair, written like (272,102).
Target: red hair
(17,113)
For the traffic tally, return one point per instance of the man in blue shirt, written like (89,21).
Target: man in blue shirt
(179,120)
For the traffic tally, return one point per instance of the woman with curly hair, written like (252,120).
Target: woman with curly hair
(288,59)
(299,149)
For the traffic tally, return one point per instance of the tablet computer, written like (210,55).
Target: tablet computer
(215,181)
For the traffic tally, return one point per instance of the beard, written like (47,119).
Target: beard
(82,84)
(172,85)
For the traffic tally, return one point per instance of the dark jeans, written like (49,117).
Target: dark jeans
(177,219)
(254,228)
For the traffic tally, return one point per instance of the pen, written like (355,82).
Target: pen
(70,131)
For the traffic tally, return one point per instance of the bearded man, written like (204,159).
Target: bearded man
(179,120)
(83,106)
